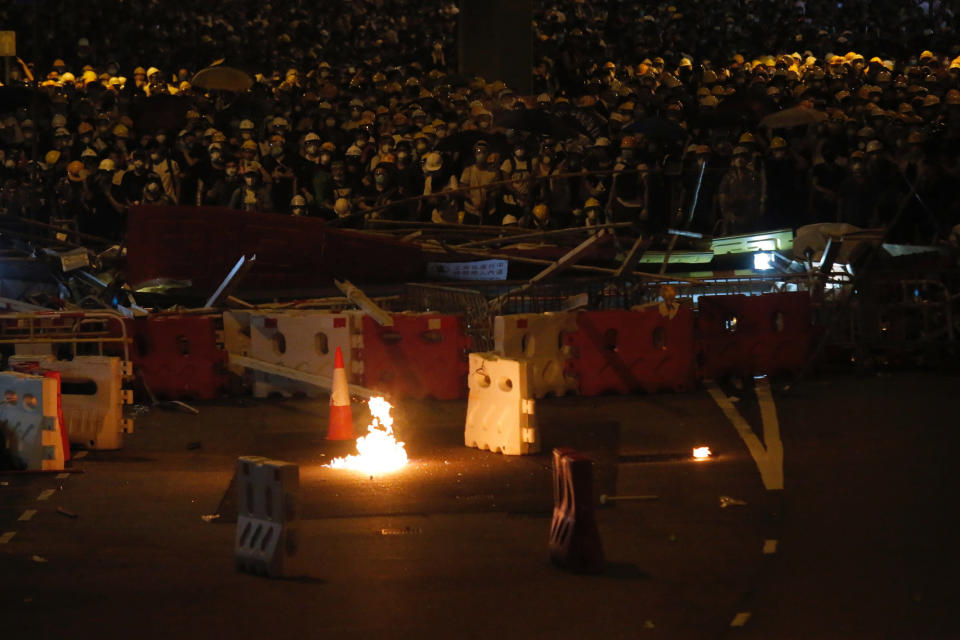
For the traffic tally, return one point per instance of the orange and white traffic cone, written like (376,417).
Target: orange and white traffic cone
(341,418)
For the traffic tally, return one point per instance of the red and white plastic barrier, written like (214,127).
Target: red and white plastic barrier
(92,397)
(750,335)
(541,339)
(423,355)
(649,350)
(29,421)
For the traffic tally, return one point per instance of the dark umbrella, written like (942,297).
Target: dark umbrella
(536,121)
(161,112)
(222,79)
(13,98)
(584,119)
(464,141)
(658,128)
(798,116)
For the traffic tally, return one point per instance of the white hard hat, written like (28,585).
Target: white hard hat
(298,201)
(107,164)
(246,124)
(311,137)
(341,207)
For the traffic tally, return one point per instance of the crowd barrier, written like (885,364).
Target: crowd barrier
(626,352)
(180,357)
(753,335)
(92,396)
(500,407)
(267,517)
(29,421)
(423,355)
(541,339)
(574,538)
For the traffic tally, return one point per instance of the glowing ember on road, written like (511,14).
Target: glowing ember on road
(379,451)
(702,453)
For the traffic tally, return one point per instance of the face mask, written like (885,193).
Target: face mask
(161,138)
(155,157)
(231,171)
(401,155)
(85,139)
(380,178)
(276,151)
(138,164)
(480,158)
(520,154)
(324,158)
(385,148)
(421,147)
(312,149)
(483,124)
(215,156)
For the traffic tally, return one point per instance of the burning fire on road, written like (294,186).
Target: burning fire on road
(379,451)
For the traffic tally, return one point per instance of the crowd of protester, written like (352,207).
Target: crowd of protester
(655,114)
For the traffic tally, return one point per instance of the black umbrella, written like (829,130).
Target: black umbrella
(586,120)
(161,112)
(658,128)
(13,98)
(464,141)
(537,121)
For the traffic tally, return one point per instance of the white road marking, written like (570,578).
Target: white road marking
(61,476)
(7,537)
(740,619)
(27,515)
(45,495)
(769,547)
(767,454)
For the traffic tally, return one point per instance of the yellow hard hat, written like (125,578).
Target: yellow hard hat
(746,138)
(540,212)
(778,143)
(52,157)
(591,203)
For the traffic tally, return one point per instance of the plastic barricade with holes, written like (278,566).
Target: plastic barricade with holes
(500,407)
(267,517)
(647,350)
(753,335)
(574,538)
(540,338)
(179,357)
(92,396)
(29,423)
(423,355)
(301,340)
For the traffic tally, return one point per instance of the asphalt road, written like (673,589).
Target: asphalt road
(857,543)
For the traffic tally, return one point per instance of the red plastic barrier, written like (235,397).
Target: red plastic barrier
(420,356)
(750,335)
(630,351)
(178,356)
(574,538)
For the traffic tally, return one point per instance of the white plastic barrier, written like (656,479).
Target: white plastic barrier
(28,419)
(92,397)
(539,338)
(304,341)
(500,407)
(267,517)
(236,335)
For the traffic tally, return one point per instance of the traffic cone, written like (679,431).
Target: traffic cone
(341,418)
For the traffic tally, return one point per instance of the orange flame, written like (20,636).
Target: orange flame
(378,451)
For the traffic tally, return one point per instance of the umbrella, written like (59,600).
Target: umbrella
(536,121)
(658,128)
(12,98)
(793,117)
(161,112)
(464,141)
(584,119)
(223,79)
